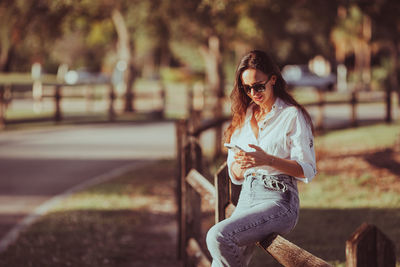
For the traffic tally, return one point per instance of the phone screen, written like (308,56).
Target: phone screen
(234,147)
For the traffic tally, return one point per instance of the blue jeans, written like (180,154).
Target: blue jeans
(267,205)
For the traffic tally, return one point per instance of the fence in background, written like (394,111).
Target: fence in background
(55,92)
(198,100)
(353,99)
(368,246)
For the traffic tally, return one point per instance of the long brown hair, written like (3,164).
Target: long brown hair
(258,60)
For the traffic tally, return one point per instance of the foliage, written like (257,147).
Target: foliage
(170,33)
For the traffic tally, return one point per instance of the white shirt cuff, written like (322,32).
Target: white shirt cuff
(308,172)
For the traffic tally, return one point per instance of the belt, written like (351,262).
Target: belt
(278,182)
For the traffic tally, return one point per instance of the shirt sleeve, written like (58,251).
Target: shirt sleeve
(229,162)
(301,141)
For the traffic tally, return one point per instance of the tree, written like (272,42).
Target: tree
(386,35)
(127,17)
(293,32)
(35,21)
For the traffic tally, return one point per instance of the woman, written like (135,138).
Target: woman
(277,134)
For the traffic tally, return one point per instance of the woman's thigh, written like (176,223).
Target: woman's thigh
(247,226)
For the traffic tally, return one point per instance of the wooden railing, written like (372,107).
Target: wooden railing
(353,99)
(56,91)
(367,244)
(323,99)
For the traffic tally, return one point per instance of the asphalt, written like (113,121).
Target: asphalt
(38,165)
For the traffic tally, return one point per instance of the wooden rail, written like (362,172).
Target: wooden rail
(351,99)
(193,187)
(7,92)
(355,98)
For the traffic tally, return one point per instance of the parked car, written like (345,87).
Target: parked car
(300,75)
(85,77)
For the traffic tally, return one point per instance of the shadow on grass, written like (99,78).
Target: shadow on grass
(384,159)
(323,232)
(96,238)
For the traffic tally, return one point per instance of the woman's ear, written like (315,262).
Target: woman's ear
(273,79)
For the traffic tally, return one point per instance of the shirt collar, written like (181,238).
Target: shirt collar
(278,105)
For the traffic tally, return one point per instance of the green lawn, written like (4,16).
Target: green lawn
(360,139)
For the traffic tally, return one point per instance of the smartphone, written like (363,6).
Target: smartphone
(234,147)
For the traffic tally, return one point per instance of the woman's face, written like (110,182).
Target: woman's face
(253,79)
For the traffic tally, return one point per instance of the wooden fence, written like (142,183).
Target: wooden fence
(354,99)
(367,244)
(7,91)
(351,99)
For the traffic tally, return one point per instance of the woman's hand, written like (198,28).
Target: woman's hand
(252,159)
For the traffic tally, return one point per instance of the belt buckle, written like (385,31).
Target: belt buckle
(274,184)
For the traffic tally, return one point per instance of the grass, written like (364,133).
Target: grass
(126,221)
(117,223)
(360,139)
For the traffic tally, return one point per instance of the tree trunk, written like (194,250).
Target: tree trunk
(396,68)
(394,82)
(124,48)
(215,81)
(5,59)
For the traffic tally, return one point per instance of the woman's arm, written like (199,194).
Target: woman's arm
(245,160)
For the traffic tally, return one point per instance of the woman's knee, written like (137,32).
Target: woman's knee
(212,237)
(215,237)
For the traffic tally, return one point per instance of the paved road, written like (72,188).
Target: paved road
(36,165)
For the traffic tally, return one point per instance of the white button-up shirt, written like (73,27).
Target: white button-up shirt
(283,133)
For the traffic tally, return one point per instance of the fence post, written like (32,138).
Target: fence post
(353,102)
(222,193)
(2,107)
(369,247)
(57,99)
(321,104)
(388,98)
(111,96)
(193,200)
(181,131)
(186,164)
(163,100)
(218,129)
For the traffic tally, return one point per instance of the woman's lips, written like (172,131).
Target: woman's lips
(258,98)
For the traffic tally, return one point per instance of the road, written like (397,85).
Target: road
(36,165)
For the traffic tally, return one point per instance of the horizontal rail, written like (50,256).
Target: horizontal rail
(344,102)
(290,255)
(208,125)
(194,251)
(202,186)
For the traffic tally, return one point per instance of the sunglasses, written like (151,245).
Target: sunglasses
(259,87)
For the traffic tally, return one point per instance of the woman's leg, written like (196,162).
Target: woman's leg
(227,240)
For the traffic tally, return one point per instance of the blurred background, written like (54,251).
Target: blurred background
(149,55)
(68,68)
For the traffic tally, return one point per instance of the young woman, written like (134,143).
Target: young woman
(275,134)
